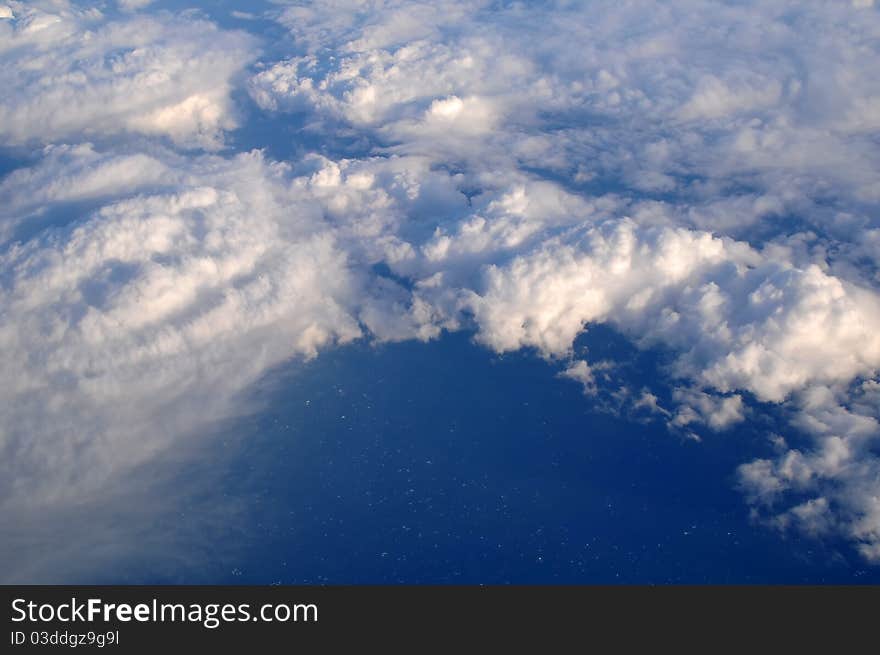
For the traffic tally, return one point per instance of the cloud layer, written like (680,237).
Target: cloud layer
(702,176)
(69,73)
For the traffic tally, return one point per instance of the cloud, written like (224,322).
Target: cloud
(137,324)
(719,104)
(718,413)
(73,176)
(832,488)
(581,371)
(72,74)
(695,175)
(126,329)
(738,318)
(702,177)
(133,5)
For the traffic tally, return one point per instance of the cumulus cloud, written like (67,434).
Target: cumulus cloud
(718,413)
(73,176)
(69,73)
(701,176)
(693,175)
(581,371)
(832,487)
(148,314)
(739,319)
(139,322)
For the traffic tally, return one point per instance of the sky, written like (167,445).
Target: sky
(368,291)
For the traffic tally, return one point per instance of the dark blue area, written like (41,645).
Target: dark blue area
(13,158)
(443,463)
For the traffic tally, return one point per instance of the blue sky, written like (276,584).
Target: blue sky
(656,224)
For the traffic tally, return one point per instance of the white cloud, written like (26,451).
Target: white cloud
(834,486)
(127,329)
(582,372)
(69,73)
(74,174)
(718,413)
(745,194)
(703,177)
(738,320)
(133,5)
